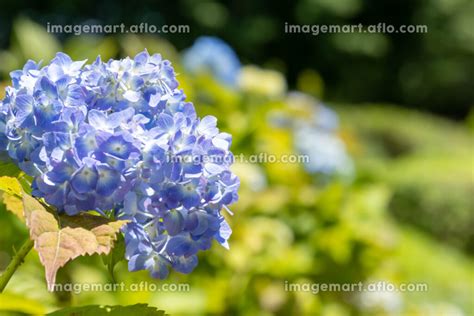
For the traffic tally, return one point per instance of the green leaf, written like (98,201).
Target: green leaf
(61,238)
(9,169)
(10,185)
(25,182)
(10,193)
(13,204)
(115,256)
(100,310)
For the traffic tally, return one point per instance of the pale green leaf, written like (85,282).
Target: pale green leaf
(13,204)
(10,193)
(10,185)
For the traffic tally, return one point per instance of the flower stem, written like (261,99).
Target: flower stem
(17,260)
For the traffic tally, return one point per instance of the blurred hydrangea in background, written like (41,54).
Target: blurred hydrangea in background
(317,137)
(213,55)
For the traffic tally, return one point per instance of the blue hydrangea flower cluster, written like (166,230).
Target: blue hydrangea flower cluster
(119,137)
(213,55)
(318,139)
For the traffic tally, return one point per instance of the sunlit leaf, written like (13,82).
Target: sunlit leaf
(10,185)
(13,204)
(59,239)
(10,192)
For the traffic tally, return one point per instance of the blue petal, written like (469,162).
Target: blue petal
(118,147)
(140,262)
(84,180)
(191,197)
(224,234)
(52,140)
(85,145)
(108,181)
(105,103)
(141,58)
(115,119)
(132,96)
(197,222)
(174,222)
(60,173)
(113,162)
(173,196)
(180,245)
(165,122)
(159,269)
(130,203)
(97,119)
(45,114)
(58,198)
(185,264)
(207,126)
(48,88)
(24,107)
(62,59)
